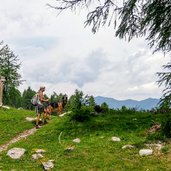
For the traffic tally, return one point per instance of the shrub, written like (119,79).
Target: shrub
(81,115)
(166,127)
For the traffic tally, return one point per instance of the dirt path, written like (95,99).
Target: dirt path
(22,136)
(17,138)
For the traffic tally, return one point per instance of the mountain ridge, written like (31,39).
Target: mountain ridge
(146,104)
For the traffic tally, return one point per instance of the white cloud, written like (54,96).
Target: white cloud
(58,52)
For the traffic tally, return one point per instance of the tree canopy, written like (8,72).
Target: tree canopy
(130,18)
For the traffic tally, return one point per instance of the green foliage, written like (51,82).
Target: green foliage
(76,101)
(166,126)
(82,115)
(151,18)
(125,110)
(165,79)
(26,98)
(9,68)
(82,107)
(104,107)
(55,97)
(165,149)
(91,101)
(14,98)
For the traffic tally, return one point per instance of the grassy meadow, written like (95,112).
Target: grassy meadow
(13,122)
(95,152)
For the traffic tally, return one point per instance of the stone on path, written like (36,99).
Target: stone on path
(145,152)
(17,138)
(77,140)
(128,146)
(48,165)
(16,153)
(115,139)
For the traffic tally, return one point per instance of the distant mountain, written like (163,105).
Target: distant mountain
(117,104)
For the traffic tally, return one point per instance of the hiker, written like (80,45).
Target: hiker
(41,107)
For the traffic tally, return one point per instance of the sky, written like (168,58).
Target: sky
(56,51)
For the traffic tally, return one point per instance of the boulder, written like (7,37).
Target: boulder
(48,165)
(16,153)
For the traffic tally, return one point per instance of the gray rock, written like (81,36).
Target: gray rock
(48,165)
(77,140)
(16,153)
(145,152)
(128,146)
(115,139)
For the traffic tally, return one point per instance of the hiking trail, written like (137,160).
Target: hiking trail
(17,138)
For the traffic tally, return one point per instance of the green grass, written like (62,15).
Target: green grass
(13,122)
(96,151)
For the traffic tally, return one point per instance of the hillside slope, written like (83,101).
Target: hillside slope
(96,151)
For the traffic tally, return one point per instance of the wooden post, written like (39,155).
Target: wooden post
(2,80)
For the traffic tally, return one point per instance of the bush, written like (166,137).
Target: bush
(82,114)
(166,127)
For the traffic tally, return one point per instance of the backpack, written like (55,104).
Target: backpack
(35,100)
